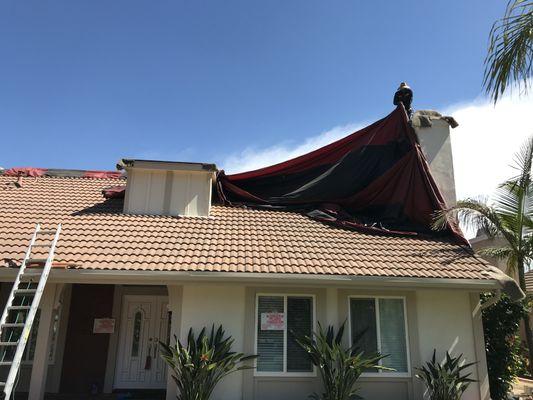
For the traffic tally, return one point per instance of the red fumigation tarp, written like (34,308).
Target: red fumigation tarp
(376,179)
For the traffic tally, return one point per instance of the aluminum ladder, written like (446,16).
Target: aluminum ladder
(23,303)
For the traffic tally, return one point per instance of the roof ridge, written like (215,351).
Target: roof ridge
(61,173)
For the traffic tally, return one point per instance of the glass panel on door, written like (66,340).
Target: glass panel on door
(137,322)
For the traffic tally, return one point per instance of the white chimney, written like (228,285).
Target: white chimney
(168,188)
(433,131)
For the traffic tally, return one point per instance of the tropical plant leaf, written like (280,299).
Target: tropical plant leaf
(510,55)
(203,362)
(509,215)
(444,380)
(339,366)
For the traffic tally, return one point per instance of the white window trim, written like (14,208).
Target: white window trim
(383,374)
(256,316)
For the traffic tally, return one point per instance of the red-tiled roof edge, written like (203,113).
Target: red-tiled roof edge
(61,173)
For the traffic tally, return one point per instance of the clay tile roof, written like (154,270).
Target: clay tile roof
(96,235)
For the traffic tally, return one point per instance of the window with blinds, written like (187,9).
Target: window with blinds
(270,341)
(279,318)
(378,325)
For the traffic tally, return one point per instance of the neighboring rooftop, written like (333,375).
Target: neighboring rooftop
(97,235)
(529,282)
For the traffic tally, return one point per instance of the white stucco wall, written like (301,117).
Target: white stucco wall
(207,304)
(445,324)
(440,319)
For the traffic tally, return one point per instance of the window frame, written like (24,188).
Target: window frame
(284,373)
(381,373)
(56,316)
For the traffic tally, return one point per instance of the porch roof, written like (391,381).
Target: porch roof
(97,235)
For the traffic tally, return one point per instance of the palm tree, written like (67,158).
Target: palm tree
(510,55)
(508,215)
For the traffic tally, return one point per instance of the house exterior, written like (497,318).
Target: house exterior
(130,272)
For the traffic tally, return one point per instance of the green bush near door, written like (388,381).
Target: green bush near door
(204,360)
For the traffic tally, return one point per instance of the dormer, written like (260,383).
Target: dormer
(168,188)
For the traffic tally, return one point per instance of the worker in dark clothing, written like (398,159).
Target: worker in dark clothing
(404,95)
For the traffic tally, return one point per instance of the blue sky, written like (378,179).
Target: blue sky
(84,83)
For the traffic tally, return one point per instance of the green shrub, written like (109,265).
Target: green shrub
(340,367)
(505,359)
(445,381)
(204,361)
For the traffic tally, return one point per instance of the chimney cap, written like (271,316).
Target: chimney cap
(425,118)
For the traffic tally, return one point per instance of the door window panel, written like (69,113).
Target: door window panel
(136,338)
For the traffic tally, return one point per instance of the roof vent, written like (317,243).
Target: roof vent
(168,188)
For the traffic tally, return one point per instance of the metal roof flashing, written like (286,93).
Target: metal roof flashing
(125,164)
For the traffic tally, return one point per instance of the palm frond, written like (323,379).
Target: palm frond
(473,214)
(528,250)
(507,203)
(512,263)
(514,198)
(507,198)
(498,253)
(523,161)
(510,53)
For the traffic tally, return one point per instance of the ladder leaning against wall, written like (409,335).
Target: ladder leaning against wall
(23,303)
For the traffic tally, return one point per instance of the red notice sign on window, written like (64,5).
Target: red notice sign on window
(272,321)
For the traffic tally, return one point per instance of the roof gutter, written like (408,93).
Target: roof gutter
(506,285)
(165,277)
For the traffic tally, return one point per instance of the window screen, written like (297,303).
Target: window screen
(364,328)
(299,322)
(392,324)
(378,325)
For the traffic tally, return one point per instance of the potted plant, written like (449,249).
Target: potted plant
(445,380)
(203,361)
(339,366)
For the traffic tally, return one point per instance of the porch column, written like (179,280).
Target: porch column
(42,345)
(174,304)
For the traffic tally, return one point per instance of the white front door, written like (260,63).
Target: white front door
(143,323)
